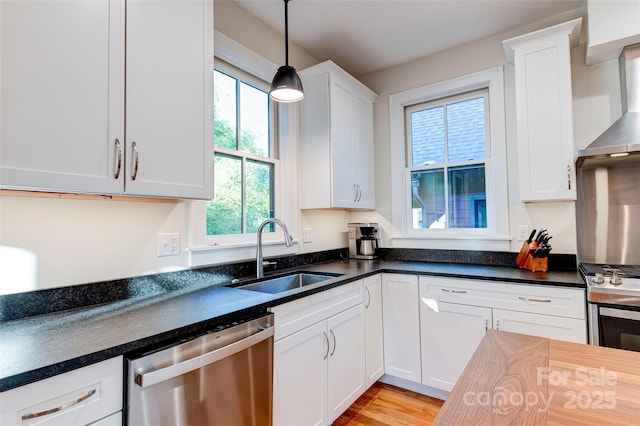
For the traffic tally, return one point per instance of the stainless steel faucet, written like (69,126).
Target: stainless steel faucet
(288,240)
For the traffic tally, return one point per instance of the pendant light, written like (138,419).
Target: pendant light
(286,86)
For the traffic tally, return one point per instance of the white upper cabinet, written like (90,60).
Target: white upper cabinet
(544,116)
(336,140)
(63,122)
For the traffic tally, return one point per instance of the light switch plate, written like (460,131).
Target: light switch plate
(307,236)
(168,244)
(523,232)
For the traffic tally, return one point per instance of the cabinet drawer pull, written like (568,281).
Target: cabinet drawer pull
(526,299)
(134,159)
(334,342)
(486,325)
(446,290)
(61,407)
(118,146)
(569,177)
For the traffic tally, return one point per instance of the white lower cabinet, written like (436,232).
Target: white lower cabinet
(88,395)
(319,370)
(456,313)
(374,342)
(401,325)
(449,337)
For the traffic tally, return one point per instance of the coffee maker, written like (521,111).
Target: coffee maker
(363,240)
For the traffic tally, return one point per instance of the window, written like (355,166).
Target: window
(244,154)
(254,165)
(448,164)
(447,142)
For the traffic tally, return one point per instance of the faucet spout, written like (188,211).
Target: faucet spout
(288,240)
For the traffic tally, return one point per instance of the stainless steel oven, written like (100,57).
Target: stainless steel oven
(613,298)
(223,378)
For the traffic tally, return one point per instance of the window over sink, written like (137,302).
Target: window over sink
(448,156)
(253,158)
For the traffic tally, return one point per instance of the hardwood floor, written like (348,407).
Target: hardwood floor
(384,404)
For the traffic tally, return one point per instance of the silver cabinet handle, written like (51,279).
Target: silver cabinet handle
(486,325)
(569,177)
(355,193)
(334,342)
(134,161)
(446,290)
(157,376)
(60,407)
(118,166)
(368,298)
(526,299)
(358,193)
(326,355)
(498,324)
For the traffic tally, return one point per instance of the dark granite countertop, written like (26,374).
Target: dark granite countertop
(42,346)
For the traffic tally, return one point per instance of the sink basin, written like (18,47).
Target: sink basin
(287,282)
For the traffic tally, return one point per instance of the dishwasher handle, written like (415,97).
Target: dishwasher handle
(157,376)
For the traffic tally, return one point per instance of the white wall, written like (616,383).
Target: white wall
(596,96)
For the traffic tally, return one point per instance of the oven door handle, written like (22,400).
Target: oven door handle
(620,313)
(158,376)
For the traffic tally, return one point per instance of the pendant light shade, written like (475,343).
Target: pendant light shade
(286,85)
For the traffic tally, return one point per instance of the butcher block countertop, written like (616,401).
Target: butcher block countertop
(526,380)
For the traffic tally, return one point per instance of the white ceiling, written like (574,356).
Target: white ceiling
(364,36)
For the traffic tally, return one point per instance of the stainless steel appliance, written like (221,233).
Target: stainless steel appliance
(222,378)
(363,240)
(608,219)
(613,296)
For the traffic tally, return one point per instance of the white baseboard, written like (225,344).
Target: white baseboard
(414,387)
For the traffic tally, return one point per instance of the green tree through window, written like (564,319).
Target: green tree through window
(244,167)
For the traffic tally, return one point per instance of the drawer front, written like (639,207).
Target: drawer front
(547,300)
(78,397)
(294,316)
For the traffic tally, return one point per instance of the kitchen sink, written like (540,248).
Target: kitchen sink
(288,282)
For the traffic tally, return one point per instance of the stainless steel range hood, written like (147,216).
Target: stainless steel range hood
(624,135)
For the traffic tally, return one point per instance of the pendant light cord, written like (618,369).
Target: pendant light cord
(286,33)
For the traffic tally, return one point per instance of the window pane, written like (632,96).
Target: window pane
(427,136)
(259,194)
(428,203)
(224,110)
(254,121)
(465,130)
(224,213)
(467,197)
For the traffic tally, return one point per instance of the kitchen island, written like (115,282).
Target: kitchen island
(518,379)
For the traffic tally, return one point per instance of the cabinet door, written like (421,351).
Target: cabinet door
(62,85)
(346,360)
(374,349)
(342,158)
(450,336)
(401,325)
(169,99)
(363,165)
(544,113)
(300,377)
(570,329)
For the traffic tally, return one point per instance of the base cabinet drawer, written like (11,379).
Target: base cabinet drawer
(79,397)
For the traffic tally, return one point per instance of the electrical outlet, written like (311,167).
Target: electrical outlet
(523,232)
(168,244)
(306,235)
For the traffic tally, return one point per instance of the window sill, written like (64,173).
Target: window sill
(453,242)
(236,251)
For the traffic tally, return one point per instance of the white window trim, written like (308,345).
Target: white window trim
(495,236)
(242,247)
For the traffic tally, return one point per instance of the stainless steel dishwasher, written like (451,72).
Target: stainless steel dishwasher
(222,378)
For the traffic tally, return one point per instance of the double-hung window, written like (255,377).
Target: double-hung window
(447,146)
(448,164)
(245,163)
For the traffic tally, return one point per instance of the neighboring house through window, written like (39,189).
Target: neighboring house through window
(448,142)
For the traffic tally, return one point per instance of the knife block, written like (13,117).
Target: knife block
(525,259)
